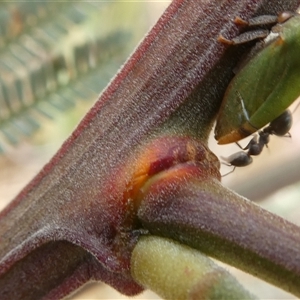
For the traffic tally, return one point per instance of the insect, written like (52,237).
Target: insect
(268,82)
(280,126)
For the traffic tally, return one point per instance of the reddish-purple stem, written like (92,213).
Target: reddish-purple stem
(76,197)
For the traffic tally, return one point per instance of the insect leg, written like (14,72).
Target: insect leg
(229,172)
(245,37)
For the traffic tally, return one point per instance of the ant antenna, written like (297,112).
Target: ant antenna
(229,171)
(245,112)
(296,108)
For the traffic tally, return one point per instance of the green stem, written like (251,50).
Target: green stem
(175,271)
(205,215)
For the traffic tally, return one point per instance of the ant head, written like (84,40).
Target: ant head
(281,125)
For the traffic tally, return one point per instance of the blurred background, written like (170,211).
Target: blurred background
(56,58)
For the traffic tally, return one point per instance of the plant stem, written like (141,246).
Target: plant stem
(175,271)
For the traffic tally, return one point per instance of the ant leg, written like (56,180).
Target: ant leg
(296,108)
(257,21)
(239,146)
(229,172)
(250,35)
(253,147)
(224,163)
(252,142)
(287,135)
(263,20)
(245,37)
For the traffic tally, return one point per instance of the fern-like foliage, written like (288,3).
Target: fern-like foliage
(51,55)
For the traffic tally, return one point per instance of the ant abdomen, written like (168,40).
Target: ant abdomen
(239,159)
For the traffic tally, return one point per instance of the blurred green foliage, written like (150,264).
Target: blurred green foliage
(53,54)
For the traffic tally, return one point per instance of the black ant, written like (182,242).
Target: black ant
(279,126)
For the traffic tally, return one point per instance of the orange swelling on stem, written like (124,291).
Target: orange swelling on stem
(172,156)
